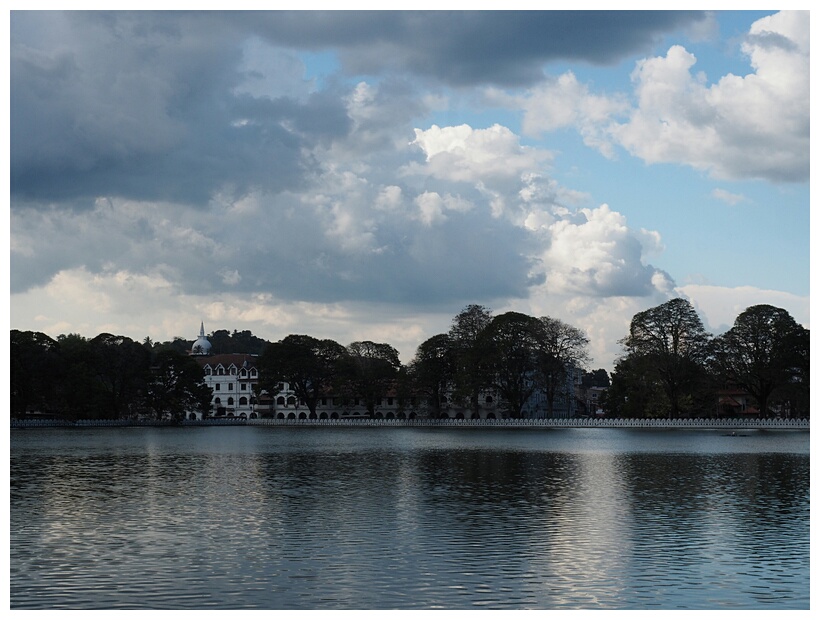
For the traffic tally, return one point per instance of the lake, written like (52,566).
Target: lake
(408,518)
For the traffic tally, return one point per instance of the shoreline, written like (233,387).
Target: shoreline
(539,423)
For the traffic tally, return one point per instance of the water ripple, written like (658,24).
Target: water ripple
(240,518)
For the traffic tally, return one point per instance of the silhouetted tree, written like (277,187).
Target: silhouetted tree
(596,378)
(176,386)
(372,370)
(470,376)
(764,352)
(122,367)
(635,391)
(78,391)
(509,347)
(672,339)
(34,368)
(311,366)
(561,349)
(433,369)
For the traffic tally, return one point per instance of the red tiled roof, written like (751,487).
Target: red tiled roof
(226,359)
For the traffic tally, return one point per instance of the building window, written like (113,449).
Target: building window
(230,387)
(243,401)
(389,400)
(243,386)
(324,401)
(217,387)
(230,401)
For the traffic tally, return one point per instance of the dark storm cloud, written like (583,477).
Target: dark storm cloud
(144,106)
(321,116)
(464,258)
(464,48)
(151,111)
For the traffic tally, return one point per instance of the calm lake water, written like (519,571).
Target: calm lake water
(301,518)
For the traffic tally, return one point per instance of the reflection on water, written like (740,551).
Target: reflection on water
(283,518)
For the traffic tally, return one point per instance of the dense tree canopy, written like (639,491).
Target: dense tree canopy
(470,377)
(311,366)
(34,368)
(510,346)
(371,371)
(636,391)
(176,386)
(109,376)
(595,378)
(432,371)
(561,348)
(672,367)
(675,346)
(122,369)
(764,352)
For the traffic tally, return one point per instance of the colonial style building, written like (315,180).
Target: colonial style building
(232,377)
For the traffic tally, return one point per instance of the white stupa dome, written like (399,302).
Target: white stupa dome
(202,346)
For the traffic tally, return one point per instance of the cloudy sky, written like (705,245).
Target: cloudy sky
(366,175)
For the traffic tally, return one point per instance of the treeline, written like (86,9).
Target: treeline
(110,376)
(512,355)
(222,341)
(670,367)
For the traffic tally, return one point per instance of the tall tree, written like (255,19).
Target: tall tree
(672,337)
(176,386)
(433,369)
(596,378)
(470,377)
(311,366)
(122,367)
(34,369)
(635,391)
(373,369)
(78,391)
(510,344)
(562,349)
(766,350)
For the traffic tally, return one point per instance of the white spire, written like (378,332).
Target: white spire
(202,346)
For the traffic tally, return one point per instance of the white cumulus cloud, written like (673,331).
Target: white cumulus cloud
(595,253)
(752,126)
(565,102)
(476,155)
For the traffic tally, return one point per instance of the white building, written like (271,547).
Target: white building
(232,377)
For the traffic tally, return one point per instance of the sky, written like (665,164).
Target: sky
(367,175)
